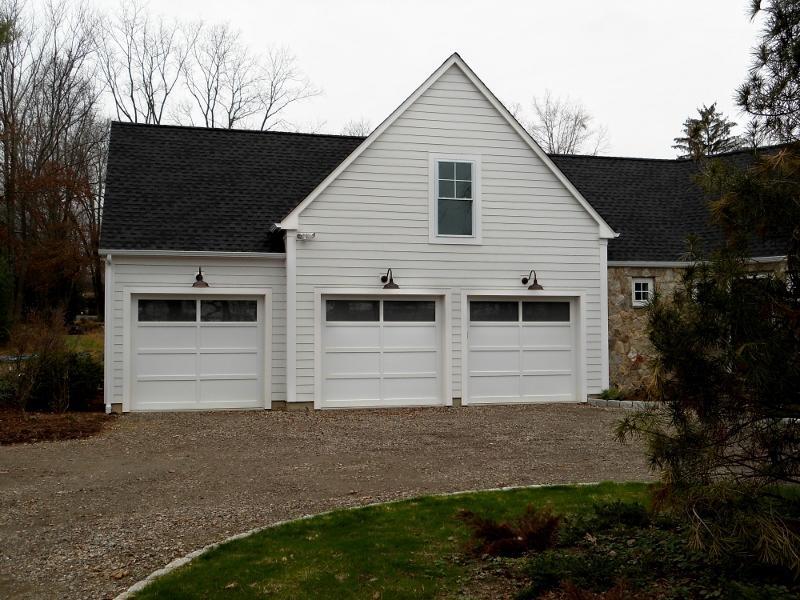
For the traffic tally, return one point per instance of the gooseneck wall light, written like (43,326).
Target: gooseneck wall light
(198,279)
(535,285)
(389,281)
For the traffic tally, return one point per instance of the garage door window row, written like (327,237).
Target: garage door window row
(511,311)
(407,311)
(186,311)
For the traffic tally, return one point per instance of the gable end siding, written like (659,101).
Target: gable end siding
(375,216)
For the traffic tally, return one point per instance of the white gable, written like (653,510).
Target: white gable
(437,91)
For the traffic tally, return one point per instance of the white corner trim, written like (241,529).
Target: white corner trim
(443,295)
(291,315)
(291,221)
(576,297)
(127,324)
(108,330)
(604,360)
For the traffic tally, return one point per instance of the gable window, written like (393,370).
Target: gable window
(642,289)
(455,208)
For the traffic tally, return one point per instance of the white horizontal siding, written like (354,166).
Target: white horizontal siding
(154,271)
(375,216)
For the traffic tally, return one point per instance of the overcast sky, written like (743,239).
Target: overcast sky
(639,66)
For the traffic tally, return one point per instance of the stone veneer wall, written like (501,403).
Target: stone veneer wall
(629,347)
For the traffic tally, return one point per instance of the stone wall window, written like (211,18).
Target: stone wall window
(642,289)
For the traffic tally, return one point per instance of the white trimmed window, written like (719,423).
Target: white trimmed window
(642,290)
(455,202)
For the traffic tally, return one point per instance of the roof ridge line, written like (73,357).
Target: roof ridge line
(231,129)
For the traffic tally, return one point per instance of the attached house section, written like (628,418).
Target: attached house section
(179,347)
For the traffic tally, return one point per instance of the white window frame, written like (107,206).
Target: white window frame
(433,193)
(651,289)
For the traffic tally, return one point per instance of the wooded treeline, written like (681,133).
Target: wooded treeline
(65,70)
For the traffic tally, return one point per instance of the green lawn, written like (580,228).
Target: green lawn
(87,342)
(399,550)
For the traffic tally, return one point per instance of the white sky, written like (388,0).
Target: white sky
(640,66)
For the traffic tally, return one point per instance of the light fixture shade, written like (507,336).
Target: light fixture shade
(198,279)
(388,280)
(533,286)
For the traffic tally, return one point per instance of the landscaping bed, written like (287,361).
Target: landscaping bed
(17,427)
(591,542)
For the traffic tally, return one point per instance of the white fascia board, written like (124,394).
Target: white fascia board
(666,264)
(190,253)
(291,221)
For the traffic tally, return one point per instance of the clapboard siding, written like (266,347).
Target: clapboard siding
(151,271)
(375,216)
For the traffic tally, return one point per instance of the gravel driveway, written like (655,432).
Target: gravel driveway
(87,518)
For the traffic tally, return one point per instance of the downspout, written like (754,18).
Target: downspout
(291,315)
(604,366)
(107,331)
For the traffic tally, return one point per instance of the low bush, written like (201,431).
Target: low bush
(612,393)
(535,530)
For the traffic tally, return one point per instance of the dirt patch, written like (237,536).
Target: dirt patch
(87,518)
(22,428)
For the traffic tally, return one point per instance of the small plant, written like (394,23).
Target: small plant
(612,393)
(535,530)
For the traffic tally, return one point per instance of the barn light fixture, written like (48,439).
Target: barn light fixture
(389,281)
(535,285)
(198,279)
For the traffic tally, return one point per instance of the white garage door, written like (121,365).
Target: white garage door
(521,351)
(197,353)
(381,352)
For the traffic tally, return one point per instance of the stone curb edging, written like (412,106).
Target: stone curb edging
(626,404)
(184,560)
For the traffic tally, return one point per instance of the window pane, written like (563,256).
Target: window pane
(352,310)
(455,217)
(228,310)
(447,170)
(447,189)
(167,310)
(545,311)
(494,311)
(409,310)
(464,171)
(463,189)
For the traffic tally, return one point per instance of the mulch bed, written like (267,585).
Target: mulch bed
(18,427)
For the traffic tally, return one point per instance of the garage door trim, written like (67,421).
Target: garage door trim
(264,294)
(576,297)
(443,298)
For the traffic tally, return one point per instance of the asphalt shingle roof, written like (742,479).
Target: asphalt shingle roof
(190,188)
(187,188)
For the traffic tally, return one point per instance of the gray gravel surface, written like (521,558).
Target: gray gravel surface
(87,518)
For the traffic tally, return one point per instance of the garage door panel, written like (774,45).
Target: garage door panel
(409,362)
(500,360)
(546,385)
(212,363)
(353,389)
(229,336)
(537,360)
(352,363)
(409,336)
(159,364)
(546,335)
(230,392)
(495,335)
(170,392)
(339,335)
(413,389)
(497,386)
(166,336)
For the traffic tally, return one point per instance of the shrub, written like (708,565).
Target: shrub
(612,393)
(535,530)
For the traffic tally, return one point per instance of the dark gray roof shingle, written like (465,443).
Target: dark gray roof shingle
(187,188)
(190,188)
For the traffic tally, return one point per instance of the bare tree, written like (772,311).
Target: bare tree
(362,127)
(563,126)
(141,59)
